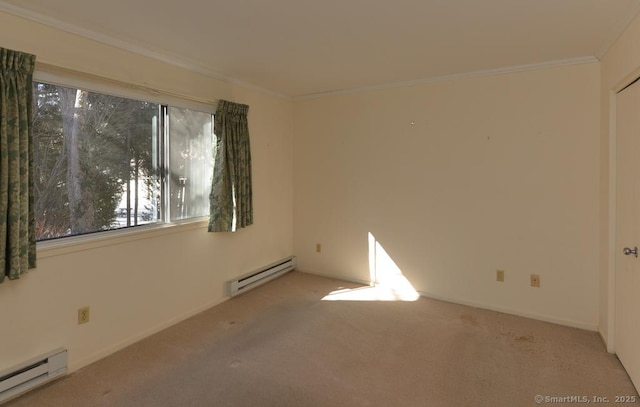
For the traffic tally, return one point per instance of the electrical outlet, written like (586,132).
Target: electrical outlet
(84,314)
(500,275)
(535,280)
(318,247)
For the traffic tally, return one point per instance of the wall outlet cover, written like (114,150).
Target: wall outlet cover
(535,280)
(84,315)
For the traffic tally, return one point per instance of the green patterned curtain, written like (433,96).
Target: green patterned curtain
(231,194)
(17,225)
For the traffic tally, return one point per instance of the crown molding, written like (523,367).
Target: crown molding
(617,31)
(131,46)
(466,75)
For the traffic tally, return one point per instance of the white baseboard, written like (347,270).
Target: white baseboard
(461,301)
(336,277)
(510,311)
(79,364)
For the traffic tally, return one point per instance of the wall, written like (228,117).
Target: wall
(456,179)
(140,283)
(620,66)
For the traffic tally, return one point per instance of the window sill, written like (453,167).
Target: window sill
(66,245)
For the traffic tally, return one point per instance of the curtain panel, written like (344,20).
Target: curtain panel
(231,201)
(17,223)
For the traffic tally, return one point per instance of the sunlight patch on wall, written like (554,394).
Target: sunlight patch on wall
(387,281)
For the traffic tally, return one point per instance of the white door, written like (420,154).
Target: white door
(627,274)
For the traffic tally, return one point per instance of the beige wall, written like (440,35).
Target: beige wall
(138,284)
(620,66)
(496,172)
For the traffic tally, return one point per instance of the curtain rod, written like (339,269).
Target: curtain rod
(57,70)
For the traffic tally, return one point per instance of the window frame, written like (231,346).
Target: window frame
(64,77)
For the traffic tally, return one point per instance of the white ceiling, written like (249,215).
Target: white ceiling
(303,47)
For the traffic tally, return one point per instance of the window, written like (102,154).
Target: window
(105,162)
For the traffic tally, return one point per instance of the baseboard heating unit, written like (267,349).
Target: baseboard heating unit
(261,276)
(32,373)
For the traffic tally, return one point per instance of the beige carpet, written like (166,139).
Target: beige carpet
(281,345)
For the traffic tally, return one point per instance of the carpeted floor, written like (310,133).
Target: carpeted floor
(281,345)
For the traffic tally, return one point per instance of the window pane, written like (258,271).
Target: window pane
(94,161)
(190,162)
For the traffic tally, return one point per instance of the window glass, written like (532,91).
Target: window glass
(190,162)
(95,161)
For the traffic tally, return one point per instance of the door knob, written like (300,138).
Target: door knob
(627,251)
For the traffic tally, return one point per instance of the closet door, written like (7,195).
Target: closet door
(627,271)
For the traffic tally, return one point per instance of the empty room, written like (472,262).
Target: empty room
(337,203)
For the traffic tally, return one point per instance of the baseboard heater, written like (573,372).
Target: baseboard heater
(261,276)
(32,373)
